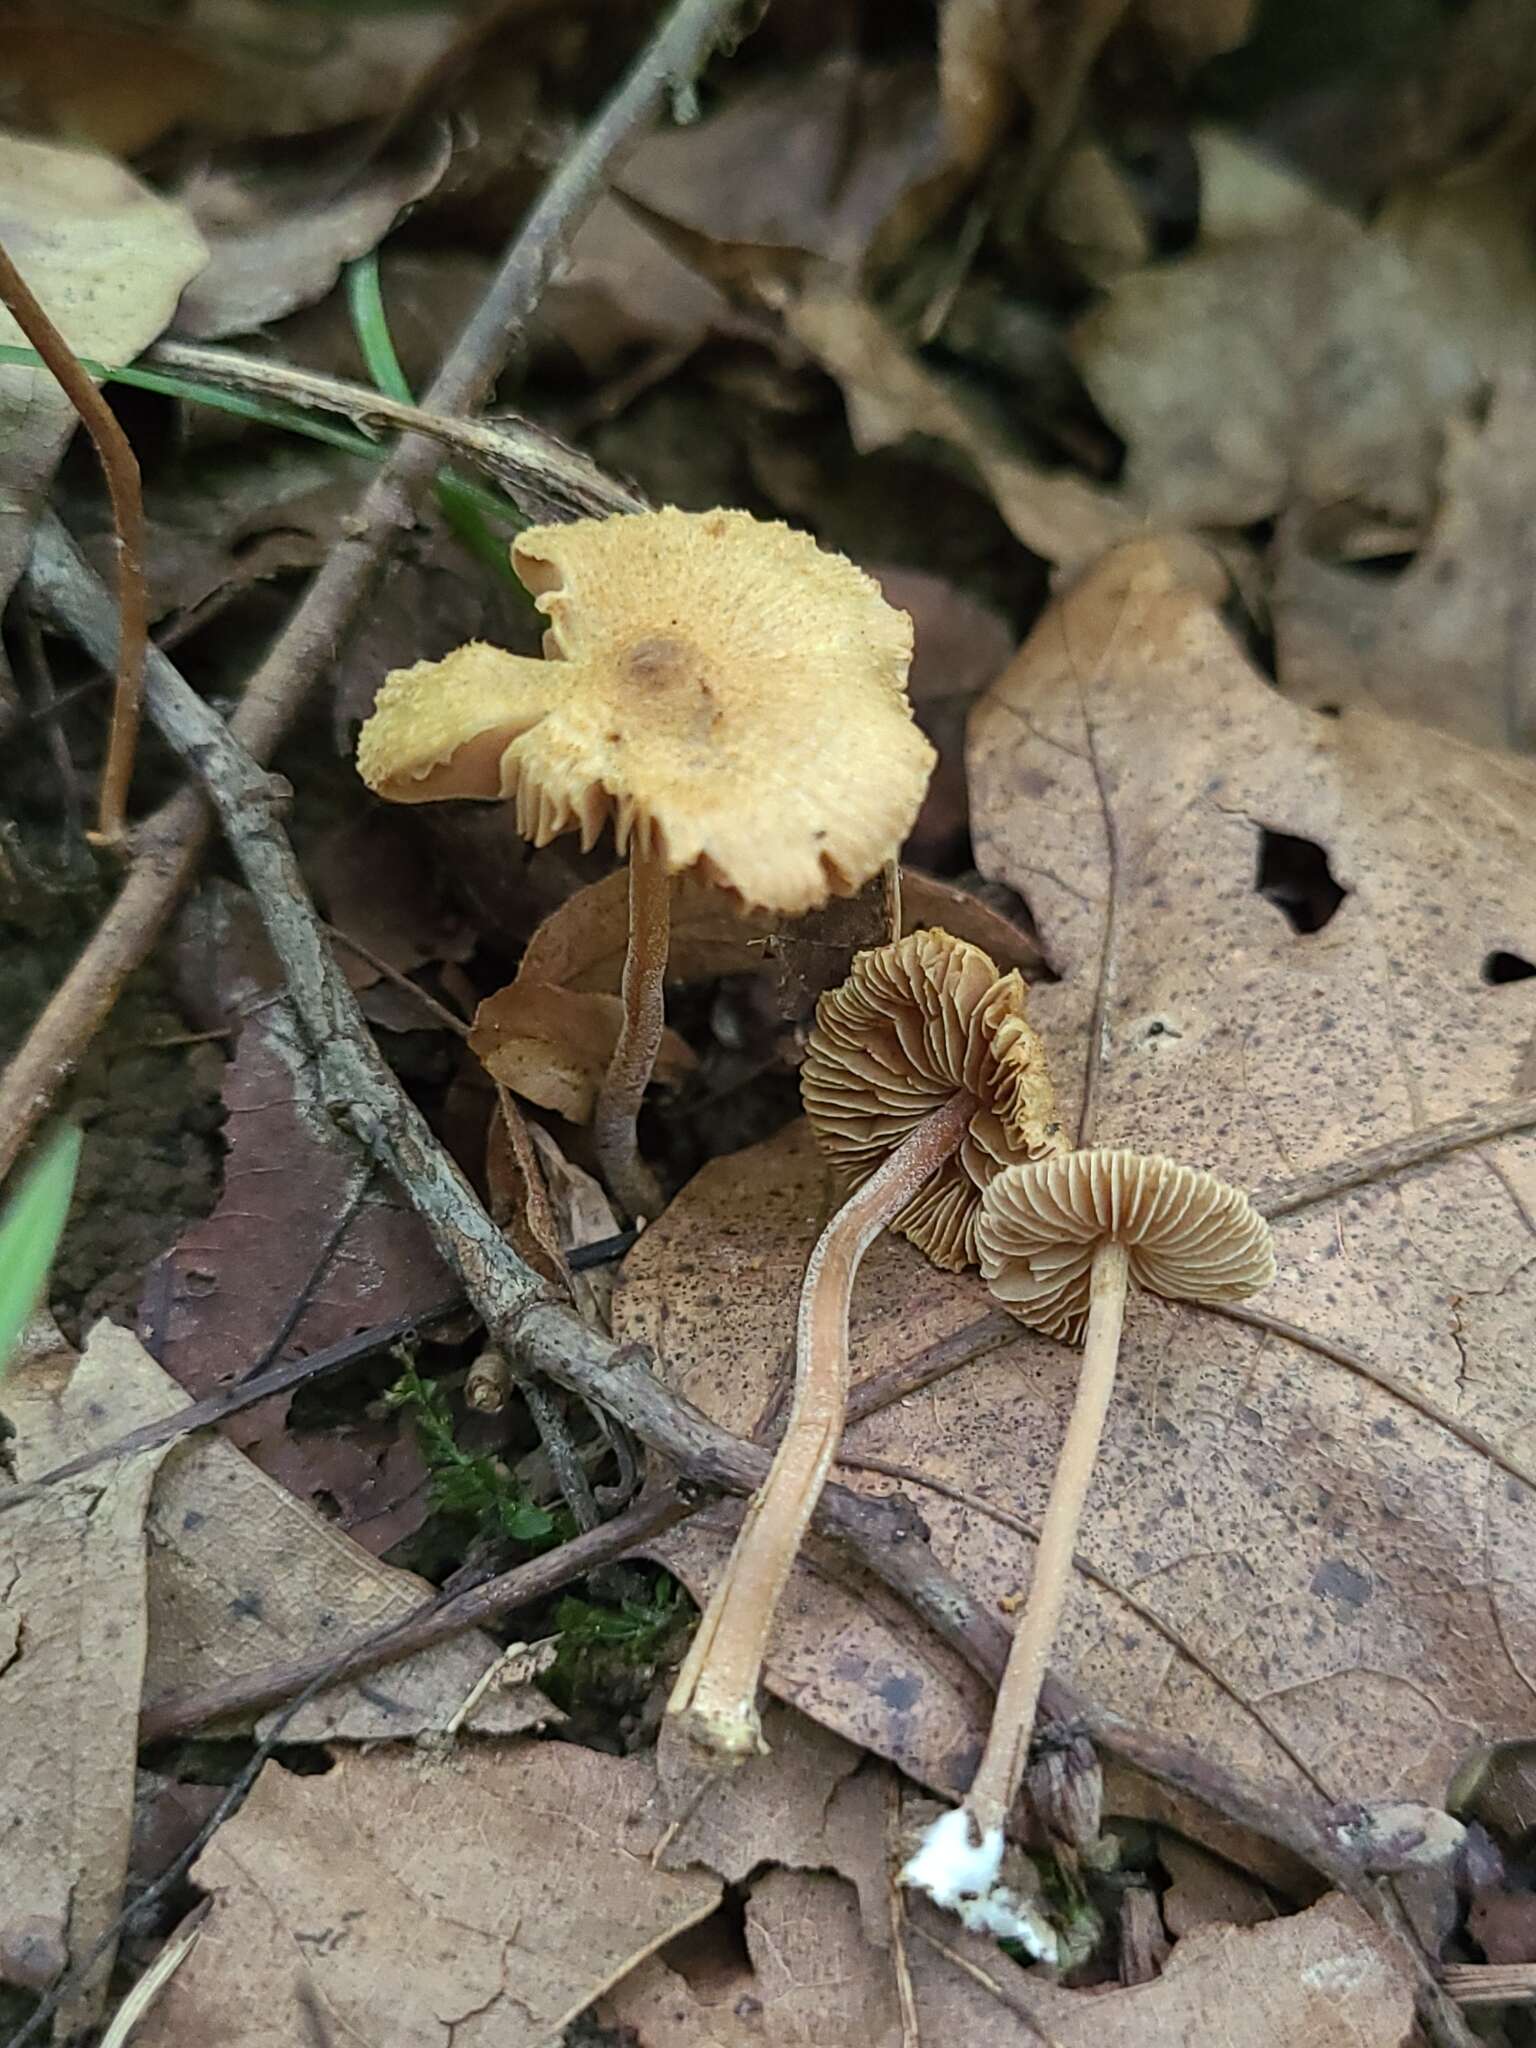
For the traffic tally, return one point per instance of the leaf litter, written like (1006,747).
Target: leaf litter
(1267,930)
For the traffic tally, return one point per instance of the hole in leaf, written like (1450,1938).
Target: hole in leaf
(1501,967)
(1295,876)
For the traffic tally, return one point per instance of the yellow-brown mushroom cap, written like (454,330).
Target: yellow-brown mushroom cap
(729,695)
(1187,1234)
(915,1022)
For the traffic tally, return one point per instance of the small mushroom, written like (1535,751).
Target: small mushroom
(729,695)
(1059,1242)
(922,1079)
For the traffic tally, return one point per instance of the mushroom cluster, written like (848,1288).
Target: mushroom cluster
(730,697)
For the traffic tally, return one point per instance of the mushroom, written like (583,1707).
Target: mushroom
(923,1078)
(731,696)
(1059,1242)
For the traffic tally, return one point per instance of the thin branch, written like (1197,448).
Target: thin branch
(1398,1155)
(169,848)
(403,982)
(121,469)
(249,1393)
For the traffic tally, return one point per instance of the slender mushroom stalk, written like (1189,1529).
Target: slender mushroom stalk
(921,1077)
(614,1132)
(728,695)
(1060,1242)
(714,1701)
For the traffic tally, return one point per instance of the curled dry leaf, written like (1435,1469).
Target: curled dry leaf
(482,1902)
(1294,355)
(278,240)
(553,1045)
(1298,1570)
(581,945)
(1446,640)
(108,259)
(891,395)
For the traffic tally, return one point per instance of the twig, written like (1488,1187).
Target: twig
(1398,1155)
(171,845)
(121,469)
(278,1379)
(403,982)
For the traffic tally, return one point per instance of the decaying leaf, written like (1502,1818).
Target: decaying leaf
(1291,1544)
(581,945)
(1293,355)
(107,258)
(1447,639)
(278,240)
(481,1902)
(890,395)
(305,1248)
(73,1637)
(553,1045)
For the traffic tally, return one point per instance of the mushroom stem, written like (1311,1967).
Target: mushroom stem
(996,1784)
(629,1179)
(715,1698)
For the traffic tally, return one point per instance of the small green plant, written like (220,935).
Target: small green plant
(601,1645)
(464,1485)
(30,1230)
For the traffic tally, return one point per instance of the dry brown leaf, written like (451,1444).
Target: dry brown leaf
(1294,355)
(114,87)
(890,395)
(1447,640)
(806,1805)
(481,1902)
(73,1636)
(107,258)
(581,945)
(278,239)
(301,1225)
(1319,1979)
(1205,1891)
(553,1045)
(1310,1572)
(288,74)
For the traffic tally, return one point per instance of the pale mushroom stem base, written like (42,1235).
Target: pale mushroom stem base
(714,1701)
(629,1179)
(996,1784)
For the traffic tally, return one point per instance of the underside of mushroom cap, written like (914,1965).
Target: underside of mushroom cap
(916,1022)
(723,691)
(1187,1235)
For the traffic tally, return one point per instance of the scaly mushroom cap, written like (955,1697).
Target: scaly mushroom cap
(730,695)
(1186,1233)
(915,1022)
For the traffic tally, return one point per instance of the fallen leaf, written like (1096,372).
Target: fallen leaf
(114,87)
(846,139)
(73,1638)
(581,945)
(891,396)
(1327,1975)
(372,882)
(278,241)
(107,258)
(1204,1891)
(485,1900)
(305,1247)
(1293,355)
(1446,640)
(553,1045)
(1311,1578)
(811,1977)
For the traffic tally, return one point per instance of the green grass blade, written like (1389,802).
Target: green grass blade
(30,1230)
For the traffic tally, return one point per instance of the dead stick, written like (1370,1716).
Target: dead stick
(121,469)
(1398,1155)
(171,847)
